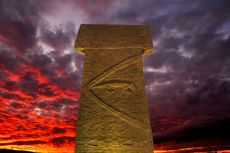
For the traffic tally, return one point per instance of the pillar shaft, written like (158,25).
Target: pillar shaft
(113,113)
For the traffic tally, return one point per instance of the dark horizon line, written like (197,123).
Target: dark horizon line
(16,151)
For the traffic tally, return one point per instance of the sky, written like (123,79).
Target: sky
(187,78)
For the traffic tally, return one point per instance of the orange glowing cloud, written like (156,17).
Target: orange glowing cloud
(39,116)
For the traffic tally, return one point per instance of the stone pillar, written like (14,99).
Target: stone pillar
(113,113)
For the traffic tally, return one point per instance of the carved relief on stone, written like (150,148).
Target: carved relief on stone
(113,115)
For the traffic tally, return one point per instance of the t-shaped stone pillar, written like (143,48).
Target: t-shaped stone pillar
(113,113)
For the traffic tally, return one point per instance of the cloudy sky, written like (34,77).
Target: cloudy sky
(187,78)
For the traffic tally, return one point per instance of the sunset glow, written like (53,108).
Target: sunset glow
(39,122)
(187,79)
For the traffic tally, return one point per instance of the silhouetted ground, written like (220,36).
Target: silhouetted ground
(13,151)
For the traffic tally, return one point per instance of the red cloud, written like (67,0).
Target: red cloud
(35,112)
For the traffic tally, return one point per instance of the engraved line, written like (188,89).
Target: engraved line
(133,122)
(114,81)
(110,70)
(123,116)
(106,73)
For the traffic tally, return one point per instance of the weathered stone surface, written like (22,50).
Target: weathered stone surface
(113,114)
(91,36)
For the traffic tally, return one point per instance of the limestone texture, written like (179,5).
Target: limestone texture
(113,112)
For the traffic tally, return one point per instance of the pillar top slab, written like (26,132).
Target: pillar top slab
(105,36)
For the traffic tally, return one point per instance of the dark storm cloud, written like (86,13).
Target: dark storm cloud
(23,28)
(61,140)
(58,130)
(94,9)
(40,60)
(28,83)
(211,98)
(17,105)
(8,60)
(212,131)
(19,22)
(187,77)
(59,39)
(197,31)
(187,44)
